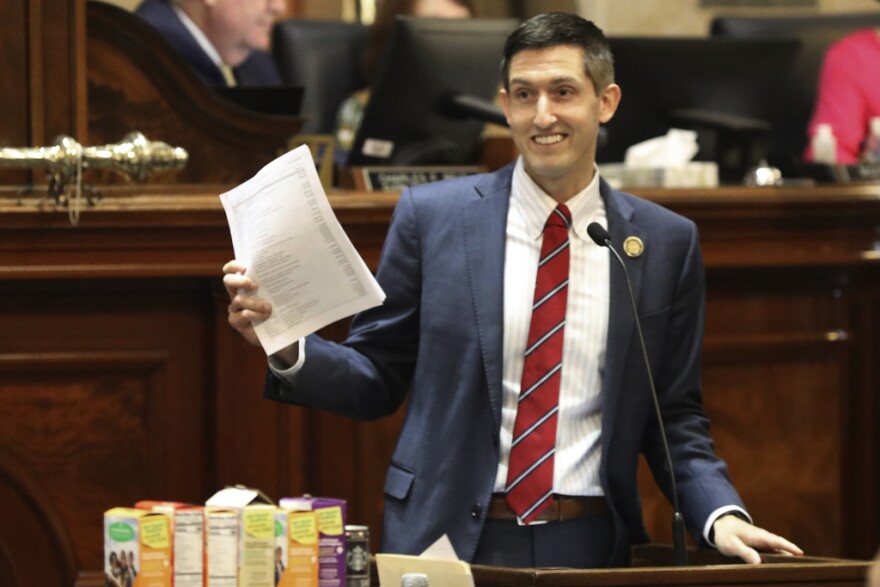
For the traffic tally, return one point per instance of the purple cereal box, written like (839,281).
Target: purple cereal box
(331,528)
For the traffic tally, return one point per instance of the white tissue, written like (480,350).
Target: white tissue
(675,149)
(663,162)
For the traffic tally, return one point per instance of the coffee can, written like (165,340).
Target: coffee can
(357,556)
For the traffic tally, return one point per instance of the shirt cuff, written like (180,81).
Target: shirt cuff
(288,374)
(708,534)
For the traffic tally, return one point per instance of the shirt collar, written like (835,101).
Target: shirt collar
(534,204)
(198,35)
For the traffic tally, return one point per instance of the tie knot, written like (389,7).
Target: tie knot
(228,75)
(561,216)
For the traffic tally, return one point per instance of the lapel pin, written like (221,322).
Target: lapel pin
(633,246)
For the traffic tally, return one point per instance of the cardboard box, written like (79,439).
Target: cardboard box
(137,548)
(221,547)
(256,534)
(296,551)
(256,566)
(331,535)
(187,537)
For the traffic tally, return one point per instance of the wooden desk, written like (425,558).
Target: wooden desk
(120,379)
(651,565)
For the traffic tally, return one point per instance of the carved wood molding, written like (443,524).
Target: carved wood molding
(33,540)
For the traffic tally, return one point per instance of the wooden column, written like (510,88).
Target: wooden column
(42,73)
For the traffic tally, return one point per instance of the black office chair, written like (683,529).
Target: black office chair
(325,58)
(815,33)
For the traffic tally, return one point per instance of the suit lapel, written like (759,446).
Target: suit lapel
(485,226)
(621,324)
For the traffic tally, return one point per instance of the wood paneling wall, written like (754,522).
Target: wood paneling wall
(42,71)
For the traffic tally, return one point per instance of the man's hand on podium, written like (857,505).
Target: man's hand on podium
(736,537)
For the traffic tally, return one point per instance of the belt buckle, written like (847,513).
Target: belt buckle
(553,502)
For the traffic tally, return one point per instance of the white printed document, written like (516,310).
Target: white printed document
(285,232)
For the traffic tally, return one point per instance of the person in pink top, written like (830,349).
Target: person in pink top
(849,92)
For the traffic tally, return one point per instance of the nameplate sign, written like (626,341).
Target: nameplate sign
(394,179)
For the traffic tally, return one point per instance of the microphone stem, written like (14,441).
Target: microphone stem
(678,528)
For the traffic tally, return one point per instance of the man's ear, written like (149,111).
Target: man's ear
(608,101)
(505,104)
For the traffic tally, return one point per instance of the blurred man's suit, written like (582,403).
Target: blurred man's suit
(259,69)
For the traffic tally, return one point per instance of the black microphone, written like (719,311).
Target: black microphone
(466,106)
(601,237)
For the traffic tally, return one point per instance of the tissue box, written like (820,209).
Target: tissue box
(696,174)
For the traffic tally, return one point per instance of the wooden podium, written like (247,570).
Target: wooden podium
(125,314)
(651,565)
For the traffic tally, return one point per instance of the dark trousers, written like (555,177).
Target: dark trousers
(582,543)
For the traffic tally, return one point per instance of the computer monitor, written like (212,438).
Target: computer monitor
(726,89)
(412,117)
(282,100)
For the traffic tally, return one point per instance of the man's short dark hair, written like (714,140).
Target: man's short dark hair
(562,28)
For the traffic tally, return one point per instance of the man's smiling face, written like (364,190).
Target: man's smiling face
(554,114)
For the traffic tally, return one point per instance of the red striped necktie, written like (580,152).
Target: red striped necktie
(530,472)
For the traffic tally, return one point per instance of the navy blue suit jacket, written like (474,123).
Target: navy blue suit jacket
(437,340)
(259,69)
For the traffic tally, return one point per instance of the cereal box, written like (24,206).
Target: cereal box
(330,514)
(137,548)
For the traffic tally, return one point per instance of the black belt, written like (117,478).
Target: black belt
(561,508)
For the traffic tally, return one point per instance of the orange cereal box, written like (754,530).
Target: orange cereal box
(187,539)
(296,551)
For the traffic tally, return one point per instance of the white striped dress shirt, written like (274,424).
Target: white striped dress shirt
(578,447)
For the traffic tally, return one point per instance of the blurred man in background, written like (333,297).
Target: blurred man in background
(225,41)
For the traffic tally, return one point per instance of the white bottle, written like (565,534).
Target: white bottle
(871,154)
(824,145)
(414,580)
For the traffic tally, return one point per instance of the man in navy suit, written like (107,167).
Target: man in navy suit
(225,41)
(458,269)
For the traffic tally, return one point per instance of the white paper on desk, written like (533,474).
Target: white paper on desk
(441,572)
(441,549)
(285,232)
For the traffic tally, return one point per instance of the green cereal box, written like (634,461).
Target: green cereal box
(137,548)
